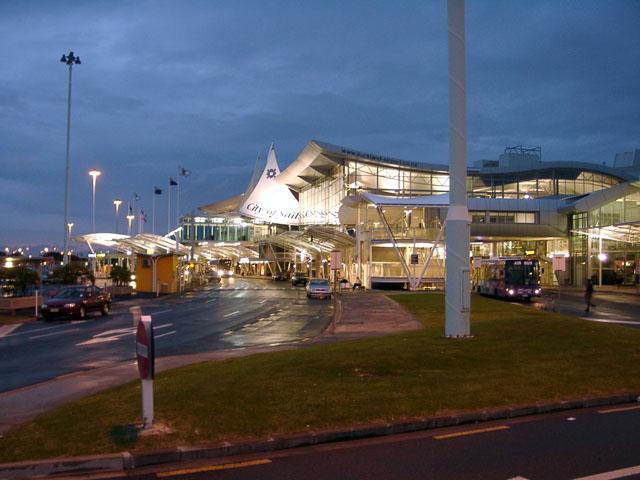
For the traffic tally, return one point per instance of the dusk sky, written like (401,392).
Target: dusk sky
(209,85)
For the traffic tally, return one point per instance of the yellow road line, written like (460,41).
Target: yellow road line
(471,432)
(619,409)
(212,468)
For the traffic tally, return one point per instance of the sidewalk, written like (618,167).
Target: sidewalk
(370,313)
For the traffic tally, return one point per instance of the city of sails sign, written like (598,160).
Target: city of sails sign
(272,202)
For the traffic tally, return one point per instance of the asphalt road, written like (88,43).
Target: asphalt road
(566,445)
(612,306)
(236,313)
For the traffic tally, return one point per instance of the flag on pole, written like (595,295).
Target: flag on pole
(144,217)
(184,172)
(136,197)
(157,191)
(172,182)
(130,210)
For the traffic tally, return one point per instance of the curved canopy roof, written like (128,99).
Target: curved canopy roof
(143,243)
(313,239)
(217,250)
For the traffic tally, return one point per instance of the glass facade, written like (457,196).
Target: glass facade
(320,201)
(222,229)
(541,183)
(597,253)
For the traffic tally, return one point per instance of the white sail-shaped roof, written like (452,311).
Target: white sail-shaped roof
(269,200)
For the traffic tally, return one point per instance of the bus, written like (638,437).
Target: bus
(509,277)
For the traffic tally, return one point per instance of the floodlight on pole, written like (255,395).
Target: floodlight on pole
(69,227)
(130,220)
(117,202)
(94,175)
(69,60)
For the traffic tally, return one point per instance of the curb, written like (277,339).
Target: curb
(133,460)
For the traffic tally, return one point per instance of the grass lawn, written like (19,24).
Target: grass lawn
(517,356)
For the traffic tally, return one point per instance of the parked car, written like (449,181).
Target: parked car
(299,278)
(279,276)
(319,288)
(76,302)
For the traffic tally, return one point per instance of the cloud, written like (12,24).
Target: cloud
(209,85)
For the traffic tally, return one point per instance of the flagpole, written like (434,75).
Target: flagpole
(169,209)
(178,198)
(153,212)
(133,208)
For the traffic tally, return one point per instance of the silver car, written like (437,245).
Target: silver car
(318,288)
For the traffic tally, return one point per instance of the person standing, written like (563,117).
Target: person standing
(588,295)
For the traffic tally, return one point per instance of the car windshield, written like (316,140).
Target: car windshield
(320,283)
(69,293)
(299,275)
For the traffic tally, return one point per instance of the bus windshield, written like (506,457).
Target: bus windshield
(522,272)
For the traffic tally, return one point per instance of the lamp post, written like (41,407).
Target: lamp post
(117,202)
(70,60)
(130,220)
(94,175)
(68,236)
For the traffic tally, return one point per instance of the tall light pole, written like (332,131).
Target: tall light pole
(68,233)
(70,60)
(457,282)
(117,202)
(130,220)
(94,175)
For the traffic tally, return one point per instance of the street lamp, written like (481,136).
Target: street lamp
(70,60)
(117,202)
(69,227)
(94,174)
(130,219)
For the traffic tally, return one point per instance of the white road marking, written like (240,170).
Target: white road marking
(604,320)
(165,334)
(95,341)
(116,332)
(619,409)
(53,333)
(232,313)
(162,311)
(108,336)
(35,330)
(623,472)
(164,325)
(7,329)
(212,300)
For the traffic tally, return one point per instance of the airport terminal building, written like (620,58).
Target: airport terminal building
(385,217)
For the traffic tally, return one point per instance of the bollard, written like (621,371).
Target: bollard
(136,312)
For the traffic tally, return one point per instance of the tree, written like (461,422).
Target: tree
(21,278)
(120,275)
(70,274)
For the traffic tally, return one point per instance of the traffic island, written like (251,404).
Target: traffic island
(520,361)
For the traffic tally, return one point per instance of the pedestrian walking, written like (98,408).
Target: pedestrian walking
(588,295)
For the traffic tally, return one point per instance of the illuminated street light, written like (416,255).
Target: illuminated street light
(130,219)
(94,175)
(117,202)
(69,227)
(70,60)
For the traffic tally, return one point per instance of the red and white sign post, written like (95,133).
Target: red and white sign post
(145,353)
